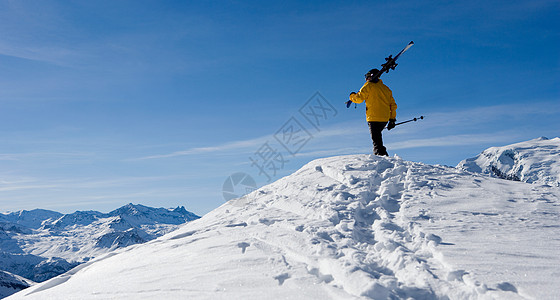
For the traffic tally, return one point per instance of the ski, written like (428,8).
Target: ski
(390,62)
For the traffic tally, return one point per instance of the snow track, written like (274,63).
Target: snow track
(351,227)
(377,254)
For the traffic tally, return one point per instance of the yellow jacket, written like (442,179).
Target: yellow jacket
(380,104)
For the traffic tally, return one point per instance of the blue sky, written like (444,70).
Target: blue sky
(103,103)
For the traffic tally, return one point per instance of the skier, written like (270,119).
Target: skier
(380,108)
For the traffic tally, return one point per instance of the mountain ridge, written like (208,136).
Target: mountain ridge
(11,283)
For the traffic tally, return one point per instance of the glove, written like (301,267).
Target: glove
(391,124)
(349,102)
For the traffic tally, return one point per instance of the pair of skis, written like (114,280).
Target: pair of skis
(391,62)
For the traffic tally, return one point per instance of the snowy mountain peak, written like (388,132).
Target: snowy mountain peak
(181,210)
(535,161)
(131,209)
(136,213)
(82,218)
(30,218)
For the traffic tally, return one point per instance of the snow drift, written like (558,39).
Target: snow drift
(349,227)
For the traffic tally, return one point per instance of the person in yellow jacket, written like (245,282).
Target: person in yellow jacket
(380,108)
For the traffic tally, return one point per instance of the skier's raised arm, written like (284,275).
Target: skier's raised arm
(360,96)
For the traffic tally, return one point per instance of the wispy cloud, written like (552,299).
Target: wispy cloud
(51,54)
(43,155)
(440,141)
(528,111)
(452,130)
(10,183)
(23,186)
(250,145)
(452,140)
(476,126)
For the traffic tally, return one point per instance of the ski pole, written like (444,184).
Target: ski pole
(349,102)
(411,120)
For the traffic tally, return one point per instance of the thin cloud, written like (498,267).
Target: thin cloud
(18,187)
(452,140)
(12,184)
(53,55)
(42,155)
(491,113)
(236,145)
(439,129)
(450,122)
(251,144)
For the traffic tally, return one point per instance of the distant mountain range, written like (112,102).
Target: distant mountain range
(40,244)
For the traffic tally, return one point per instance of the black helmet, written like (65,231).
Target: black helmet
(370,74)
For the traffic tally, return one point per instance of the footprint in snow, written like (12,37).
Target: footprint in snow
(456,275)
(243,246)
(434,238)
(508,287)
(281,278)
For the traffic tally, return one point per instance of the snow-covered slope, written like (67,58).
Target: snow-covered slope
(10,283)
(350,227)
(42,244)
(535,161)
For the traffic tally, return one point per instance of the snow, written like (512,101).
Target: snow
(348,227)
(534,161)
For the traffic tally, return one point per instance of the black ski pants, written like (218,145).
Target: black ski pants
(375,129)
